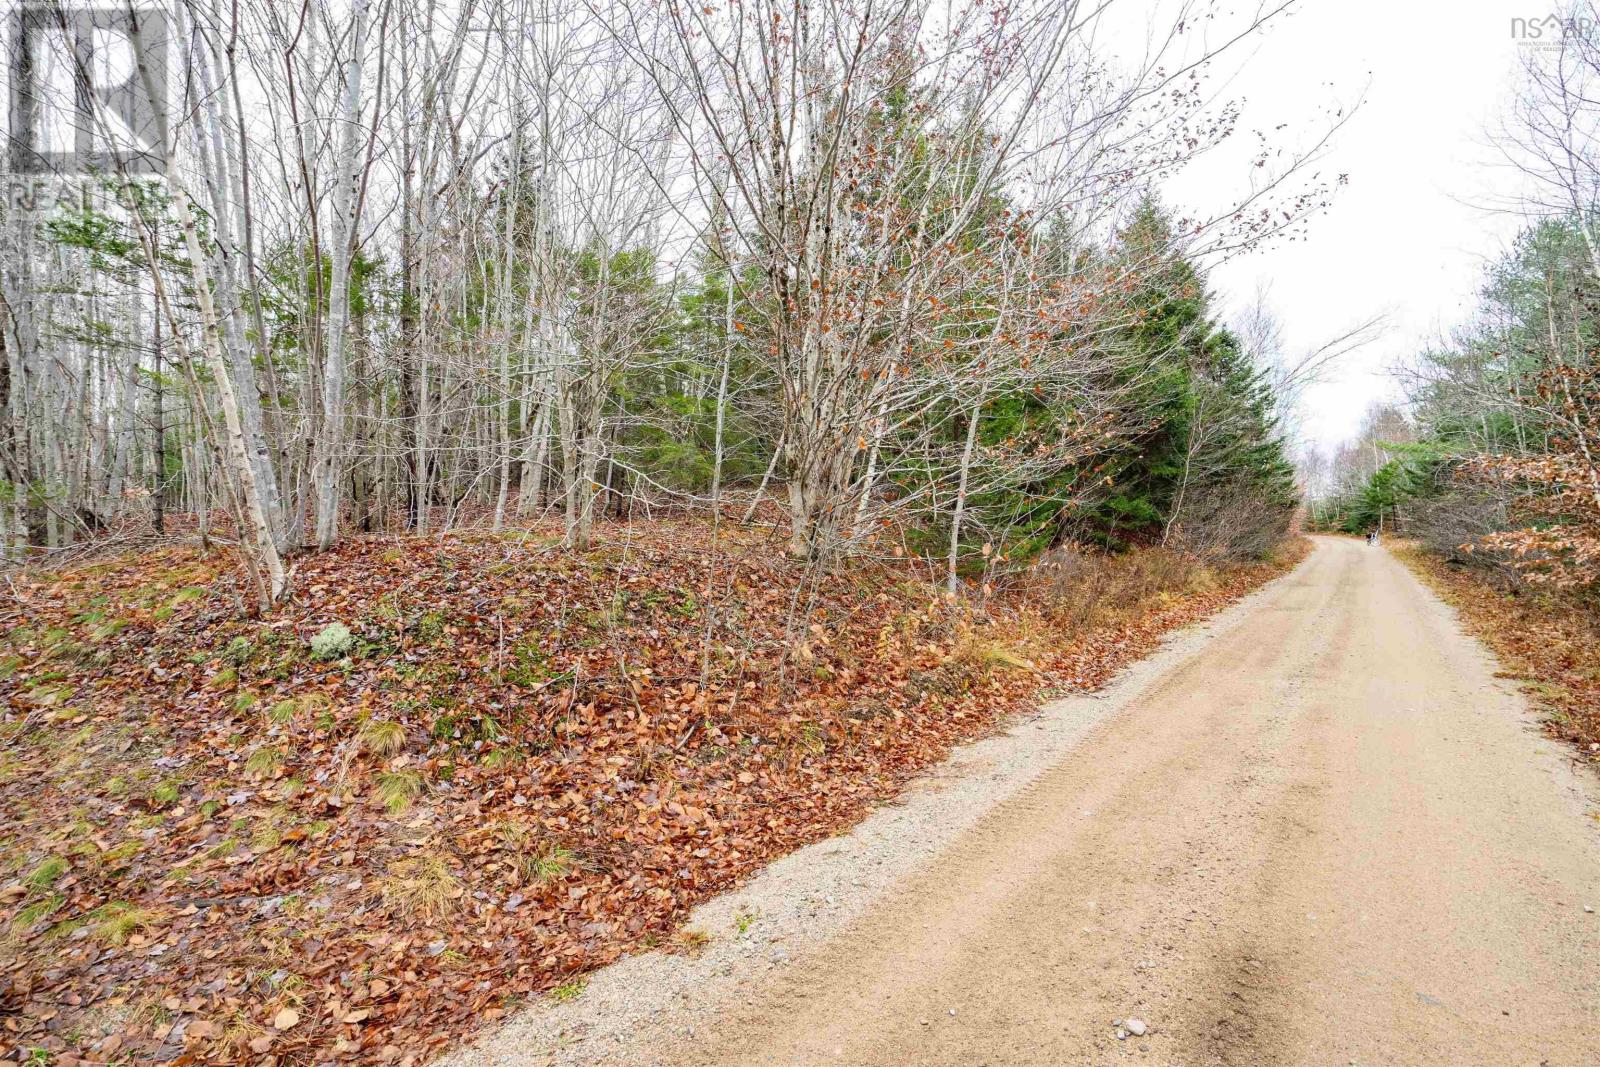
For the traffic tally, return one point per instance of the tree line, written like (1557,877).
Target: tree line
(1495,457)
(886,268)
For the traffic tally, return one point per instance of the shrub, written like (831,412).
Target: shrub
(1082,589)
(1232,520)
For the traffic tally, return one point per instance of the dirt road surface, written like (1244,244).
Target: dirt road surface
(1328,836)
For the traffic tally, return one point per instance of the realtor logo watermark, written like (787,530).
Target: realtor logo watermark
(87,88)
(1552,31)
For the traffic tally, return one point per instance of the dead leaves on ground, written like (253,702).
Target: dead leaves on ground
(220,847)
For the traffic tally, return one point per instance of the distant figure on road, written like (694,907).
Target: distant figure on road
(1372,538)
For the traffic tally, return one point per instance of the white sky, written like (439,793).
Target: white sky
(1413,230)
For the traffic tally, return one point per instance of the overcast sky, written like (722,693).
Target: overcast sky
(1412,231)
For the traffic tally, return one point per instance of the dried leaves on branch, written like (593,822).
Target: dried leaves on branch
(1555,494)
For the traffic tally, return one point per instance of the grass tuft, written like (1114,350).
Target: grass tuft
(498,759)
(264,762)
(691,942)
(397,789)
(382,737)
(46,874)
(33,914)
(116,922)
(568,991)
(422,886)
(988,655)
(547,864)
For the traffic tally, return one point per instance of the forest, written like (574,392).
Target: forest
(415,270)
(1493,461)
(486,477)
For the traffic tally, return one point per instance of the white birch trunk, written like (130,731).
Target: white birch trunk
(328,463)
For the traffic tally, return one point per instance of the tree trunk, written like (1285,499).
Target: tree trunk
(265,546)
(329,451)
(959,511)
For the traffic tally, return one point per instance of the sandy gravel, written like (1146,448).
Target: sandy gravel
(1315,831)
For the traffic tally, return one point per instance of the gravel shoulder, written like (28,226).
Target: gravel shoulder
(1315,829)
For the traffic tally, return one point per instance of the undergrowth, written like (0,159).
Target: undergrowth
(457,773)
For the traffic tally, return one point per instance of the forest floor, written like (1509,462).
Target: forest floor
(1546,640)
(457,773)
(1318,830)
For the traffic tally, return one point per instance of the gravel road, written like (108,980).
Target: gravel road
(1318,832)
